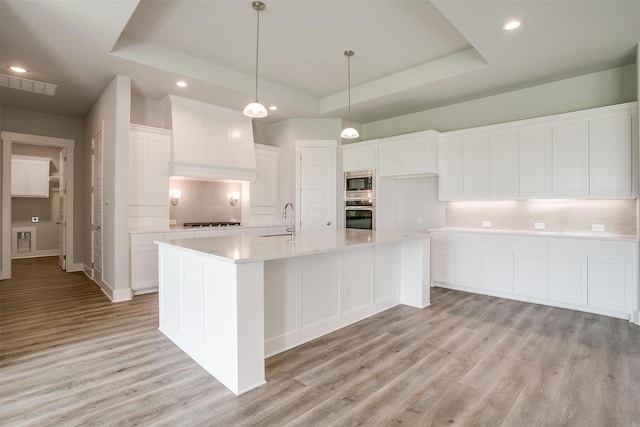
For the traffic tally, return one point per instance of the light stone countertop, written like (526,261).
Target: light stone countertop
(182,228)
(244,249)
(591,235)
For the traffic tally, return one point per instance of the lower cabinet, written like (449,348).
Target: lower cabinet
(568,278)
(582,274)
(530,274)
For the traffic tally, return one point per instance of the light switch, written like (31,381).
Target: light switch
(486,224)
(597,227)
(539,225)
(35,219)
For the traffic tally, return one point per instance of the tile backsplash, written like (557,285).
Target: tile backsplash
(202,201)
(617,216)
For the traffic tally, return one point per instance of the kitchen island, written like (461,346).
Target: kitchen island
(230,301)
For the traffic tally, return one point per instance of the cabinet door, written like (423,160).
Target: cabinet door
(390,158)
(157,169)
(350,159)
(138,179)
(568,278)
(497,270)
(38,179)
(610,283)
(144,267)
(443,264)
(264,191)
(416,156)
(534,162)
(503,165)
(530,274)
(368,157)
(18,177)
(469,266)
(610,155)
(570,164)
(451,171)
(476,167)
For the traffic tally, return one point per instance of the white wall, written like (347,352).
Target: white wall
(35,123)
(112,109)
(284,134)
(613,86)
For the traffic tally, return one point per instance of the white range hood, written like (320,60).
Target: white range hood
(210,142)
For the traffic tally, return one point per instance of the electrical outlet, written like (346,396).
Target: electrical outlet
(597,227)
(538,225)
(486,224)
(419,220)
(172,222)
(35,219)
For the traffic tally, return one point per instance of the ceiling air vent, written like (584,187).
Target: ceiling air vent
(27,85)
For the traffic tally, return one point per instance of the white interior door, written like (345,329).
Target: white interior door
(96,208)
(317,184)
(62,224)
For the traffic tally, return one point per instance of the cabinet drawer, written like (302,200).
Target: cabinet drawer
(516,243)
(146,238)
(592,247)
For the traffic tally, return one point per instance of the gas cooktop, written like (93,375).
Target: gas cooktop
(211,224)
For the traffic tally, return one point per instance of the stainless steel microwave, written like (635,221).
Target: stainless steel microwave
(360,184)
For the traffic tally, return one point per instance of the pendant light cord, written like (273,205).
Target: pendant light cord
(257,51)
(349,78)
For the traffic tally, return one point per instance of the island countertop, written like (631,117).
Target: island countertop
(244,249)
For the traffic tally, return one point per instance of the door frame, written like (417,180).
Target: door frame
(8,139)
(314,143)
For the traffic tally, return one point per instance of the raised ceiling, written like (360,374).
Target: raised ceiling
(409,55)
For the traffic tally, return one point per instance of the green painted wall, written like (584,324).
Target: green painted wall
(609,87)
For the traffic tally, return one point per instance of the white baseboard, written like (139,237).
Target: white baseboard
(74,267)
(115,295)
(37,254)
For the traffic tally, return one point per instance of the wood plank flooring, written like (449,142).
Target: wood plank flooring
(68,356)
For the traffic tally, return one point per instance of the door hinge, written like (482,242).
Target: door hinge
(93,151)
(64,158)
(93,265)
(64,257)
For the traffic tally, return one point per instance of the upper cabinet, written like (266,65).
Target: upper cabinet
(414,154)
(29,176)
(586,154)
(264,192)
(210,142)
(610,165)
(360,156)
(148,177)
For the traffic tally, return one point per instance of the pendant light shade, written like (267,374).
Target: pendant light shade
(349,132)
(255,109)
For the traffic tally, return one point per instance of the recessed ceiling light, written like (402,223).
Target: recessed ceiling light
(273,108)
(181,84)
(512,25)
(17,69)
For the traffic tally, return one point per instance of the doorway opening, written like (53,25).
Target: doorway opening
(59,182)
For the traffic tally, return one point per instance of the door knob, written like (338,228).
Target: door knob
(96,227)
(328,223)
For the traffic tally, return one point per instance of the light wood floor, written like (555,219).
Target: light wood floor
(70,357)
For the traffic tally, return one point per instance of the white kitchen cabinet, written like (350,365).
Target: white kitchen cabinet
(414,154)
(592,275)
(610,283)
(29,176)
(568,278)
(503,165)
(570,164)
(264,191)
(443,263)
(530,273)
(451,174)
(360,156)
(610,165)
(148,177)
(469,266)
(534,162)
(497,270)
(476,167)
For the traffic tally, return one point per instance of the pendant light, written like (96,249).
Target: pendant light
(349,132)
(255,109)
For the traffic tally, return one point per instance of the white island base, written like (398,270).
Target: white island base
(230,301)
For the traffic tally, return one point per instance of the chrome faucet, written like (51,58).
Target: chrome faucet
(292,228)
